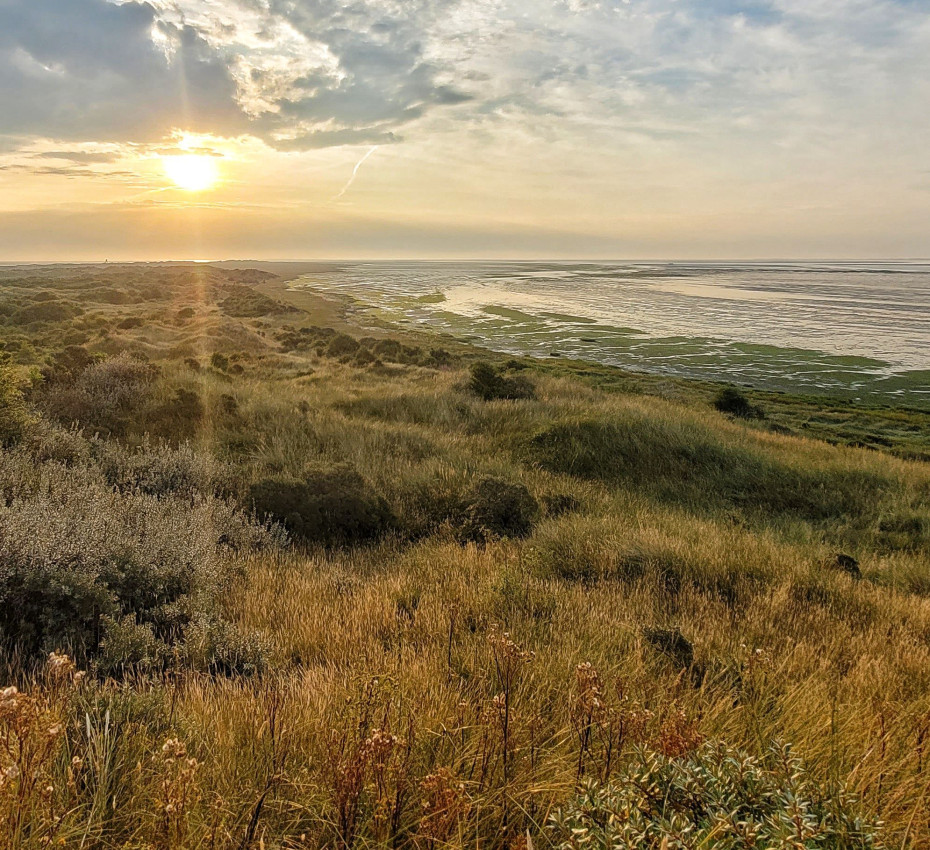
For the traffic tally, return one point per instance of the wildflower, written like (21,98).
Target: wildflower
(59,666)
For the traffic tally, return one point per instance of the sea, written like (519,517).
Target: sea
(852,330)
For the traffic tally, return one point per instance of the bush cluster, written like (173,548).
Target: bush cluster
(730,400)
(490,384)
(497,508)
(329,505)
(84,563)
(716,797)
(367,351)
(102,395)
(15,416)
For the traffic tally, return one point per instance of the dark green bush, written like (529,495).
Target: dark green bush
(556,504)
(730,400)
(488,383)
(46,311)
(177,418)
(67,364)
(342,345)
(332,506)
(715,797)
(497,508)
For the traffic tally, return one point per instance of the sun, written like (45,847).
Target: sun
(191,172)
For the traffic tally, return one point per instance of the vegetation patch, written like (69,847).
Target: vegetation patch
(684,464)
(717,797)
(491,384)
(331,505)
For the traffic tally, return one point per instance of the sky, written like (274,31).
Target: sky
(614,129)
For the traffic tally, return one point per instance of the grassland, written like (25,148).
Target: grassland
(347,586)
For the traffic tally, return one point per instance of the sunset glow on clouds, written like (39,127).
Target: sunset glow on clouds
(619,128)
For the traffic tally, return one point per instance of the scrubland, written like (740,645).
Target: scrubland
(270,579)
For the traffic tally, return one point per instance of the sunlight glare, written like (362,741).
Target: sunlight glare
(191,172)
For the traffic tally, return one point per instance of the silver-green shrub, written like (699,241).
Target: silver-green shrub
(78,555)
(717,797)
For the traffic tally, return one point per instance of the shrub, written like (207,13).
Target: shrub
(177,418)
(73,551)
(68,363)
(331,505)
(557,504)
(716,797)
(105,395)
(342,345)
(489,384)
(15,417)
(218,647)
(731,400)
(160,470)
(219,361)
(46,311)
(497,508)
(48,441)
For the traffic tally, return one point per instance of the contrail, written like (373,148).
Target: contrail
(351,180)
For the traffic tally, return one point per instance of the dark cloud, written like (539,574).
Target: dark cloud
(90,69)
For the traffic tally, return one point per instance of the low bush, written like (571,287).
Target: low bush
(15,416)
(104,396)
(497,508)
(557,504)
(730,400)
(46,311)
(342,345)
(715,797)
(489,384)
(332,505)
(74,551)
(177,418)
(157,469)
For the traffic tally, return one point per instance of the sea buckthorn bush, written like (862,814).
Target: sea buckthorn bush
(715,797)
(77,553)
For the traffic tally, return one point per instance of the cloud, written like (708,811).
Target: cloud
(733,84)
(86,157)
(90,69)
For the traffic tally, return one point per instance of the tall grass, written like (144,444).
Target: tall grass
(427,686)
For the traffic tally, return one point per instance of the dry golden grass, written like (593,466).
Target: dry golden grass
(425,693)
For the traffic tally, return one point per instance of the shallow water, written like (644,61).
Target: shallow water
(857,329)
